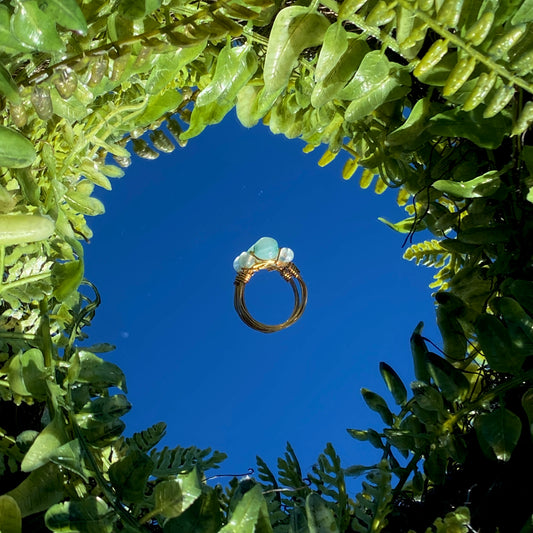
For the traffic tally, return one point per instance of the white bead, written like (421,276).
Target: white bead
(286,255)
(242,261)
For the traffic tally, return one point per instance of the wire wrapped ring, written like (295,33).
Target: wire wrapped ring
(248,263)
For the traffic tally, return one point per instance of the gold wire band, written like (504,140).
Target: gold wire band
(289,272)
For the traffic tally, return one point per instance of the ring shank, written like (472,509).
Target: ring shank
(289,272)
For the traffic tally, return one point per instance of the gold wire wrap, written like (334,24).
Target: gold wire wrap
(289,272)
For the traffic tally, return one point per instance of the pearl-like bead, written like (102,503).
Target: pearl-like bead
(286,255)
(244,260)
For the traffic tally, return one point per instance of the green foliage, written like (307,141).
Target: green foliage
(432,98)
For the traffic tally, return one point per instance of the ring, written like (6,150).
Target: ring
(266,255)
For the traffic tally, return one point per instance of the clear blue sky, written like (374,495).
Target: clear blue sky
(162,259)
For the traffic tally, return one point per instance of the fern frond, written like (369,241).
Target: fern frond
(290,472)
(428,253)
(169,462)
(145,440)
(373,503)
(433,254)
(329,480)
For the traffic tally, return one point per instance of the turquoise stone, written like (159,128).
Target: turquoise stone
(244,260)
(265,248)
(286,255)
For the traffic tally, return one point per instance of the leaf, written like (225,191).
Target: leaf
(378,404)
(411,130)
(20,229)
(527,405)
(45,445)
(15,150)
(8,43)
(394,383)
(169,65)
(523,14)
(369,435)
(486,133)
(427,396)
(66,13)
(102,434)
(90,515)
(376,82)
(485,185)
(235,66)
(203,515)
(70,456)
(496,345)
(34,28)
(498,432)
(104,409)
(174,496)
(98,373)
(7,86)
(319,517)
(453,336)
(66,278)
(340,56)
(518,322)
(250,515)
(136,9)
(453,384)
(404,226)
(27,375)
(295,29)
(419,352)
(10,516)
(84,204)
(130,474)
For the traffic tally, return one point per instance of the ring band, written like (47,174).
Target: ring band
(265,255)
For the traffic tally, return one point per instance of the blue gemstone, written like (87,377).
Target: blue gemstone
(265,248)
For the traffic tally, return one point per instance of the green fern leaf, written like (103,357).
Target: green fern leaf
(373,503)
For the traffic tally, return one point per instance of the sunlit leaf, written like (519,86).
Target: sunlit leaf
(90,515)
(49,439)
(27,375)
(99,373)
(250,515)
(376,82)
(66,13)
(70,455)
(484,185)
(295,29)
(15,150)
(174,496)
(10,516)
(66,278)
(235,67)
(34,28)
(7,86)
(203,515)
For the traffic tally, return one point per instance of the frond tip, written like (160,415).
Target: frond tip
(373,503)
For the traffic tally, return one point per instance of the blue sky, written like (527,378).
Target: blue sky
(162,259)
